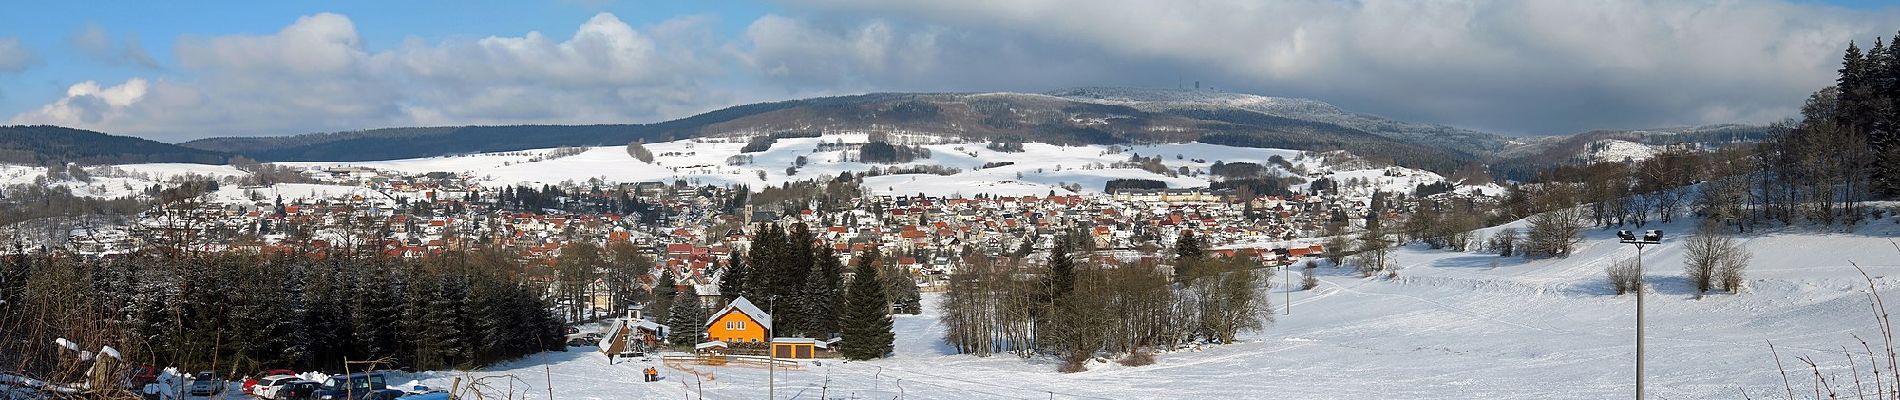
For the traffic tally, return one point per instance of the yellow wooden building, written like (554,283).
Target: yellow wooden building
(739,322)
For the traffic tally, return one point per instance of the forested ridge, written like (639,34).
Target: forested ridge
(45,144)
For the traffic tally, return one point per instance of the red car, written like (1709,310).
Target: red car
(250,381)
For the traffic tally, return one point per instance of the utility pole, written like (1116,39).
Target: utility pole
(1653,236)
(771,362)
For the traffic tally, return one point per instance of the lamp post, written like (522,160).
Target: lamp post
(1652,236)
(771,360)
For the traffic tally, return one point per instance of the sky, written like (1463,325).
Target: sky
(174,71)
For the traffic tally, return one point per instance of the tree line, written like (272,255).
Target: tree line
(236,313)
(1078,309)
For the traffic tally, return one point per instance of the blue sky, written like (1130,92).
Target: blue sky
(48,27)
(180,71)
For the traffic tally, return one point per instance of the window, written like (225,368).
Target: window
(735,325)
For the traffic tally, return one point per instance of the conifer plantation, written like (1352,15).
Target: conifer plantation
(245,312)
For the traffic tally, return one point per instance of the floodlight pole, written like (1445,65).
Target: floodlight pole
(1650,237)
(1639,320)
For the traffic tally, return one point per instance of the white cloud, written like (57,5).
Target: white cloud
(94,42)
(88,102)
(14,56)
(316,74)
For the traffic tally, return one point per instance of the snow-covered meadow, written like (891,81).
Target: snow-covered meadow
(1038,170)
(1452,325)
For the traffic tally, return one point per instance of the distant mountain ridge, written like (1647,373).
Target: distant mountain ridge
(1076,116)
(1458,139)
(1089,115)
(43,144)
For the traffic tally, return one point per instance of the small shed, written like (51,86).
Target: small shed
(798,348)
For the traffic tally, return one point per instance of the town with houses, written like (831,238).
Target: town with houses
(688,229)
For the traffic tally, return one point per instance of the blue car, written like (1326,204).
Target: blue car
(435,395)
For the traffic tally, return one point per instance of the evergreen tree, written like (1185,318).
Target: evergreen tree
(1188,254)
(445,324)
(1188,246)
(687,319)
(732,282)
(373,321)
(1061,276)
(663,293)
(764,260)
(296,311)
(791,281)
(866,326)
(825,296)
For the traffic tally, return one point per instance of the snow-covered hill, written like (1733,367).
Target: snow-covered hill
(1613,150)
(1454,325)
(1466,140)
(1038,170)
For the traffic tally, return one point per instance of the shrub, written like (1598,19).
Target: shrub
(1073,363)
(1731,273)
(1624,277)
(1309,280)
(1137,358)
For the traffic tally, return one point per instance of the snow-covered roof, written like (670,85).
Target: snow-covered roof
(711,344)
(652,326)
(744,306)
(607,340)
(795,340)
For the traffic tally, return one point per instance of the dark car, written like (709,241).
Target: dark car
(305,390)
(205,384)
(357,386)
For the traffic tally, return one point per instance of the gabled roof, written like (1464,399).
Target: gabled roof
(744,306)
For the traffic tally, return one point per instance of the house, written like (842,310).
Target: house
(739,322)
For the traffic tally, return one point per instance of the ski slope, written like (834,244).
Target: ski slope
(1453,325)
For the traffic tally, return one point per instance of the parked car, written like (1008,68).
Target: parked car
(299,390)
(434,395)
(251,381)
(357,386)
(269,385)
(141,375)
(205,384)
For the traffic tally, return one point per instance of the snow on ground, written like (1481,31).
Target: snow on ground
(1613,150)
(168,171)
(1038,170)
(233,194)
(1454,325)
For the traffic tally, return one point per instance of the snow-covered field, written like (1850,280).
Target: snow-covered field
(1614,150)
(1454,325)
(1039,169)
